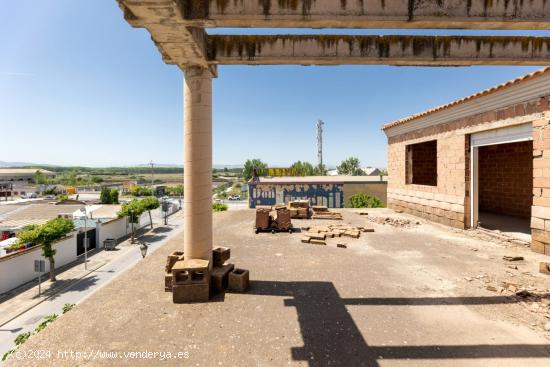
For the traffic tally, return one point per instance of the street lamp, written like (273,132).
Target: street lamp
(85,238)
(143,248)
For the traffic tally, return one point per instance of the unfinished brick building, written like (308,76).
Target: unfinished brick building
(483,160)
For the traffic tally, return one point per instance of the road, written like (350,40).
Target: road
(78,291)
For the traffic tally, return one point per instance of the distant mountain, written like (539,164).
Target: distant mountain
(4,164)
(228,166)
(16,164)
(158,165)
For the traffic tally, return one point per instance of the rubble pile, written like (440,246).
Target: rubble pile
(319,234)
(394,222)
(518,287)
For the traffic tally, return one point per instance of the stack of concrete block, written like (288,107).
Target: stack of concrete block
(263,219)
(221,270)
(299,209)
(173,258)
(239,280)
(284,223)
(322,212)
(191,281)
(319,234)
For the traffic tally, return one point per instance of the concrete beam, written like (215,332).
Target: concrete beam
(468,14)
(178,43)
(390,50)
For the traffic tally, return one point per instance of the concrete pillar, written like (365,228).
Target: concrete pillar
(198,163)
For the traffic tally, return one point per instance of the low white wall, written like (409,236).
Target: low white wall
(115,228)
(18,269)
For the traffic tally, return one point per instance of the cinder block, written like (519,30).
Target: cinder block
(316,236)
(174,257)
(168,282)
(306,239)
(239,280)
(194,271)
(352,234)
(317,242)
(220,277)
(190,293)
(220,255)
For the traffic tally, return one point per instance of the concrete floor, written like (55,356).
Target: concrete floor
(398,297)
(511,226)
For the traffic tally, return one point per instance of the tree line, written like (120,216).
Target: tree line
(350,167)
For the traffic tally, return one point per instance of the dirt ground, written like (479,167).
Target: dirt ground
(410,294)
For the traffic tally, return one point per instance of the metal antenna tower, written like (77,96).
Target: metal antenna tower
(152,164)
(320,124)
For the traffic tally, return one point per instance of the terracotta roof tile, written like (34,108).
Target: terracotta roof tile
(485,92)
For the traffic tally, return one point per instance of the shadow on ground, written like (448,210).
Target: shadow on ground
(331,337)
(63,286)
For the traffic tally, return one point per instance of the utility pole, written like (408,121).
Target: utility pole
(320,124)
(152,173)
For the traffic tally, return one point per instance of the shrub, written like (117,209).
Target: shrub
(141,191)
(108,196)
(62,197)
(219,207)
(362,200)
(67,307)
(114,196)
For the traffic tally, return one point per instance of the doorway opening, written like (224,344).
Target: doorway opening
(505,188)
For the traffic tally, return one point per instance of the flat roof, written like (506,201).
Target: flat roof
(106,211)
(319,179)
(24,171)
(474,96)
(34,214)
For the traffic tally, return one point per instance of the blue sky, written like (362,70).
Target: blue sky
(79,86)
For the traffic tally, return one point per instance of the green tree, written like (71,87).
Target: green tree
(114,196)
(150,203)
(174,190)
(46,235)
(141,191)
(320,170)
(350,167)
(39,178)
(108,196)
(133,210)
(362,200)
(252,166)
(105,196)
(300,168)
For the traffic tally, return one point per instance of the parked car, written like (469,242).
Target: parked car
(234,197)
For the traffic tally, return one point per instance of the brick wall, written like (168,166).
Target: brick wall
(443,203)
(449,202)
(540,212)
(422,165)
(505,179)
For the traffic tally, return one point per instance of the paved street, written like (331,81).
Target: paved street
(117,263)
